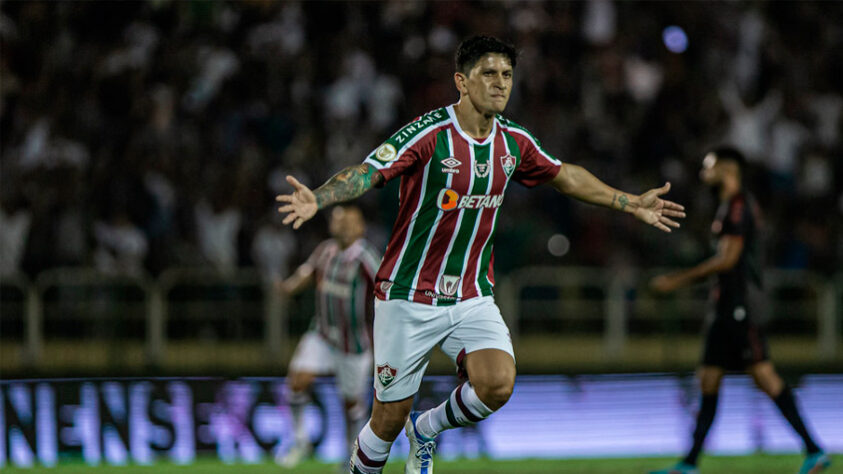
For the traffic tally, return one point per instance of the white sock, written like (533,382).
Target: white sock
(371,452)
(462,408)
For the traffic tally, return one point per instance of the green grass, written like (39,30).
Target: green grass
(758,464)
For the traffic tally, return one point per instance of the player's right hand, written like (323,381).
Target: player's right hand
(664,284)
(301,204)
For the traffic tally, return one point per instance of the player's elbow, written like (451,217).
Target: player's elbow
(565,181)
(727,263)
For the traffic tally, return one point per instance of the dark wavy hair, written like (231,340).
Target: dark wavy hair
(730,153)
(474,48)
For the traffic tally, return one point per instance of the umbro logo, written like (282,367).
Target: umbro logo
(451,165)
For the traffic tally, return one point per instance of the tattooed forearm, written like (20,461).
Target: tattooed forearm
(623,201)
(348,184)
(614,196)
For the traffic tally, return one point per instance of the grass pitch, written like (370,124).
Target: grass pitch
(757,464)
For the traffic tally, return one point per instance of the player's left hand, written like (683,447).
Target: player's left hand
(657,211)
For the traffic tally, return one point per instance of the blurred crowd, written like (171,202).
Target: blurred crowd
(138,136)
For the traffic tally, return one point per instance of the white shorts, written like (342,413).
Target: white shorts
(316,356)
(405,333)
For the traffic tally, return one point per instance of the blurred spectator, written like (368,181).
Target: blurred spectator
(273,248)
(192,113)
(121,247)
(749,126)
(15,220)
(787,138)
(217,228)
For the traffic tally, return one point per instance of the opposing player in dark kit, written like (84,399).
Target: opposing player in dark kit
(734,340)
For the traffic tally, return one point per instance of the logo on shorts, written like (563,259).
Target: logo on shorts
(448,284)
(508,163)
(386,374)
(481,169)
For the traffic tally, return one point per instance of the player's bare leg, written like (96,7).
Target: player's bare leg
(388,417)
(298,396)
(710,378)
(492,374)
(371,448)
(765,376)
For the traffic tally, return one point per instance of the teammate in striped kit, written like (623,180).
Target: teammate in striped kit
(339,339)
(434,286)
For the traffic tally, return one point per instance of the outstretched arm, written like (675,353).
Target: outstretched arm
(729,249)
(579,183)
(346,185)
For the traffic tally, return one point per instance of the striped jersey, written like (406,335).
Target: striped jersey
(345,282)
(452,187)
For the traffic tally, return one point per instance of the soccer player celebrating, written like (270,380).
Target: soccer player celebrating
(734,340)
(339,339)
(434,286)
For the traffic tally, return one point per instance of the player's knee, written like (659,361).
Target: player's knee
(494,391)
(770,384)
(709,385)
(499,395)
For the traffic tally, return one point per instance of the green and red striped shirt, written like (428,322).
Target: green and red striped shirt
(452,186)
(344,284)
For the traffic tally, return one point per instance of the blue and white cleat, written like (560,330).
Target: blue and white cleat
(420,459)
(814,463)
(679,468)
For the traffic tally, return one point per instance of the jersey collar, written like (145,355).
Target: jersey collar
(468,137)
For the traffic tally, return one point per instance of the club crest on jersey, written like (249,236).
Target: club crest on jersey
(386,153)
(508,163)
(451,165)
(481,169)
(386,374)
(448,284)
